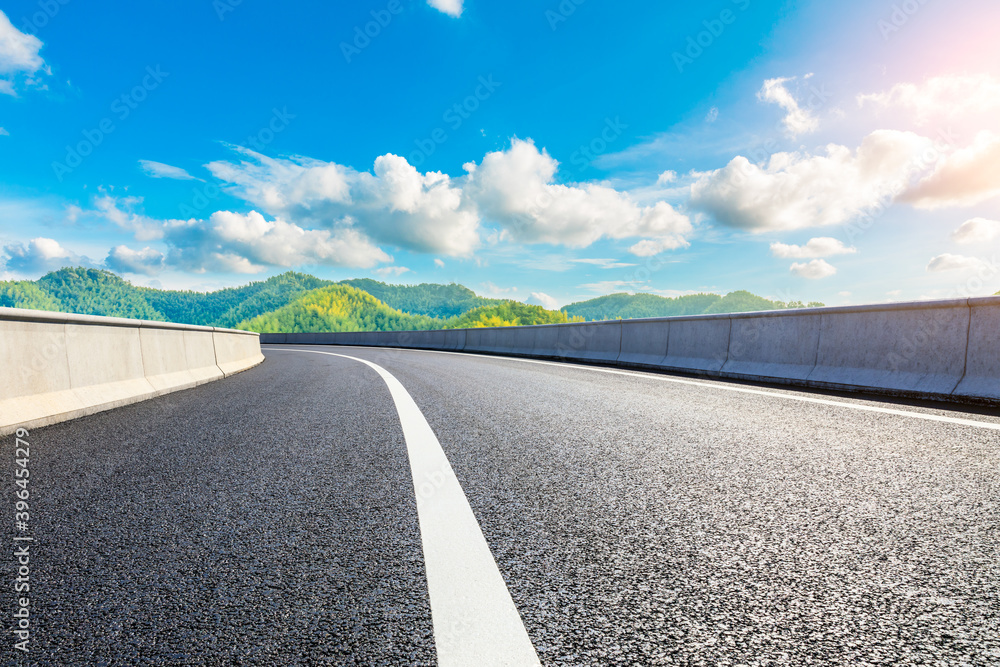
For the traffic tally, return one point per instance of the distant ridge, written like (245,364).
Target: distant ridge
(298,302)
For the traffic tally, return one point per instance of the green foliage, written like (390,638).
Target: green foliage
(296,302)
(506,314)
(442,301)
(94,292)
(630,306)
(230,306)
(337,308)
(26,294)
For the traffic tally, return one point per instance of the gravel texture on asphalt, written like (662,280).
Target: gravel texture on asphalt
(270,519)
(642,522)
(267,519)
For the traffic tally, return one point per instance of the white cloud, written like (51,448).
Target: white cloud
(544,300)
(19,57)
(796,191)
(650,247)
(950,262)
(963,178)
(515,188)
(712,115)
(797,120)
(237,243)
(4,132)
(439,263)
(823,246)
(977,231)
(610,286)
(449,7)
(123,259)
(40,255)
(603,263)
(940,97)
(496,290)
(666,177)
(814,270)
(160,170)
(396,204)
(393,271)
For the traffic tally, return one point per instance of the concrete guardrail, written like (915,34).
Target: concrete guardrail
(943,350)
(59,366)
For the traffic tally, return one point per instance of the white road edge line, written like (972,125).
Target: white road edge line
(708,384)
(475,619)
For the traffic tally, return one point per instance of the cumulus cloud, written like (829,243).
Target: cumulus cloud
(977,230)
(160,170)
(797,120)
(515,188)
(814,270)
(449,7)
(963,178)
(797,191)
(823,246)
(542,299)
(439,263)
(249,243)
(950,262)
(667,177)
(19,57)
(239,243)
(40,255)
(123,259)
(939,97)
(395,204)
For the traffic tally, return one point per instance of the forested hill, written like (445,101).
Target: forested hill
(631,306)
(300,302)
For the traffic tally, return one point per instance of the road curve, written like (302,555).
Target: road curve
(635,518)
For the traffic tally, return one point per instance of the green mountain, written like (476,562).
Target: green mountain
(630,306)
(441,301)
(345,308)
(298,302)
(230,306)
(93,292)
(337,308)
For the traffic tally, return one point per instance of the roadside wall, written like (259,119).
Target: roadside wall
(58,366)
(942,350)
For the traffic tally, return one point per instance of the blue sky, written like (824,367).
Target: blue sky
(553,151)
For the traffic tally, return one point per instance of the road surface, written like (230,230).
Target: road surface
(634,518)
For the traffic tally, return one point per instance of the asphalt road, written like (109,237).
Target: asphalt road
(636,519)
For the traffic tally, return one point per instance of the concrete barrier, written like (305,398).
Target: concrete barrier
(589,341)
(945,350)
(60,366)
(698,343)
(982,366)
(902,348)
(644,343)
(773,345)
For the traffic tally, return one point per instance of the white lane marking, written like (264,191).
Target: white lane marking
(475,619)
(727,387)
